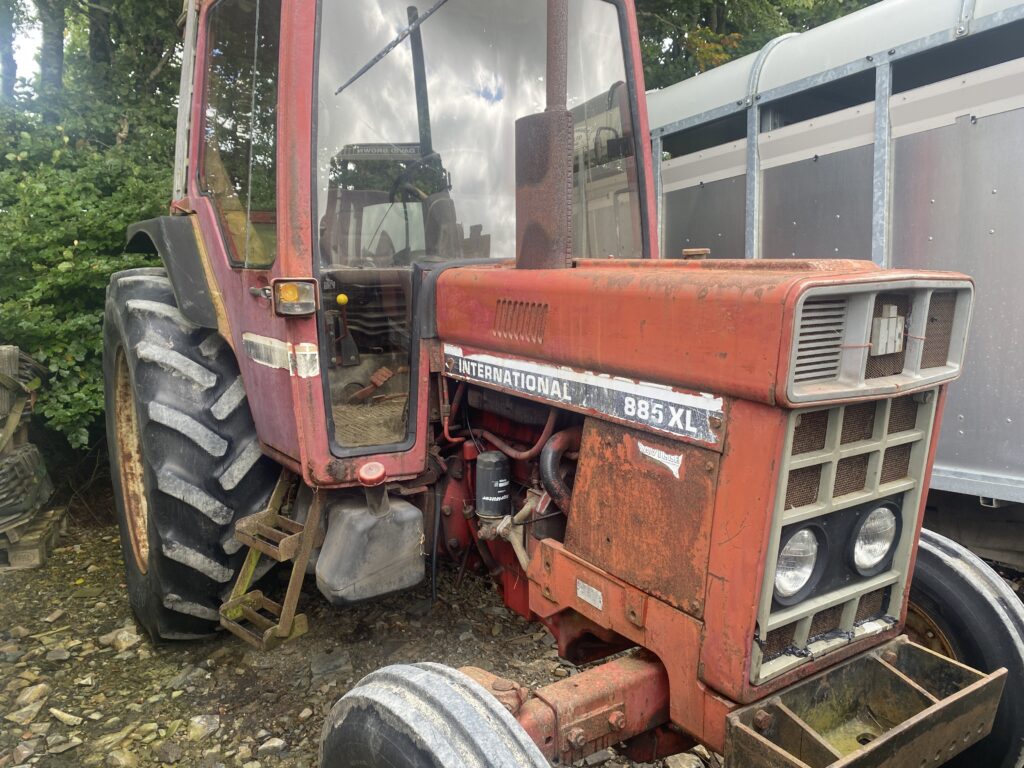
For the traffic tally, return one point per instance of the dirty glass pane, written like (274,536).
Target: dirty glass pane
(239,164)
(416,163)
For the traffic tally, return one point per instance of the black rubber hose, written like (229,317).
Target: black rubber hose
(550,465)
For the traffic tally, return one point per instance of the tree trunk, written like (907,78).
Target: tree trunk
(8,65)
(51,52)
(101,48)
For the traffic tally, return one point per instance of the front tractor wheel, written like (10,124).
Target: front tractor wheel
(185,462)
(423,716)
(961,608)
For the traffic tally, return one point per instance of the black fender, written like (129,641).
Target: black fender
(173,239)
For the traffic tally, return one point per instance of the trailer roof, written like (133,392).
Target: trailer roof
(877,29)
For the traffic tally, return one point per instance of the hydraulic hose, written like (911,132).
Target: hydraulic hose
(528,454)
(456,401)
(550,465)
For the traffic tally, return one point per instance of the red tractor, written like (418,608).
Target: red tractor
(412,307)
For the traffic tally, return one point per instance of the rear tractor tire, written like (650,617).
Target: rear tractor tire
(961,608)
(185,461)
(423,716)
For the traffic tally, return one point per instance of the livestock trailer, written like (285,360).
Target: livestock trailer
(893,133)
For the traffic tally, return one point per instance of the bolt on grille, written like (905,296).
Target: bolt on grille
(939,330)
(839,458)
(877,339)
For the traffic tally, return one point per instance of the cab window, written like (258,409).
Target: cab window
(239,163)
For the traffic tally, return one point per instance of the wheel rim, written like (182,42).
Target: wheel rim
(923,630)
(131,469)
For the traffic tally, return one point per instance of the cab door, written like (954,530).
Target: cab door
(235,192)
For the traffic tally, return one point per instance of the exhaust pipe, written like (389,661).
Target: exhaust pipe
(544,150)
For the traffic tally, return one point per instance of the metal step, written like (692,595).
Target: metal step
(251,615)
(273,535)
(256,619)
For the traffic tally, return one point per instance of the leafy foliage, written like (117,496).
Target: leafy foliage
(68,192)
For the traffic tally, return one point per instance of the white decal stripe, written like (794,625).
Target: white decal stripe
(302,360)
(702,402)
(264,350)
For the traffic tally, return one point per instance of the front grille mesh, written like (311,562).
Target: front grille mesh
(903,415)
(939,332)
(841,458)
(858,423)
(843,341)
(872,605)
(896,465)
(810,431)
(826,621)
(803,487)
(778,641)
(879,366)
(851,475)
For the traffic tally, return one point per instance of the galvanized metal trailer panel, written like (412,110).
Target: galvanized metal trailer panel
(921,177)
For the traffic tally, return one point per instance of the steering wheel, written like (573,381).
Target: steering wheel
(403,184)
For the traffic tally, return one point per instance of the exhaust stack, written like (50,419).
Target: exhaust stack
(544,157)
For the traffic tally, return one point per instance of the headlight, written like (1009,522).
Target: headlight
(797,564)
(875,539)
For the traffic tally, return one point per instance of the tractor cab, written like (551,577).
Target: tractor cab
(416,168)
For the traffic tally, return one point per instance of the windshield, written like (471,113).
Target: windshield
(441,155)
(416,163)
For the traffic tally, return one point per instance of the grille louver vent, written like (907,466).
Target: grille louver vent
(521,321)
(820,340)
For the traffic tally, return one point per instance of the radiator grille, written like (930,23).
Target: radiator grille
(809,434)
(888,365)
(903,415)
(842,460)
(520,321)
(939,329)
(872,340)
(820,340)
(896,465)
(851,475)
(858,423)
(778,641)
(872,605)
(826,621)
(803,486)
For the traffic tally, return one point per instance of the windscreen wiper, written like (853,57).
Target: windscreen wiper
(392,45)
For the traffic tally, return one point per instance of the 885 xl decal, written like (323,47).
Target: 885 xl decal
(657,407)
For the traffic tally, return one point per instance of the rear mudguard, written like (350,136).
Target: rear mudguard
(175,240)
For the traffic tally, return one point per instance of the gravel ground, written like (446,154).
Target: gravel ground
(79,686)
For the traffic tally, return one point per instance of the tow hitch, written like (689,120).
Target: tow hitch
(899,706)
